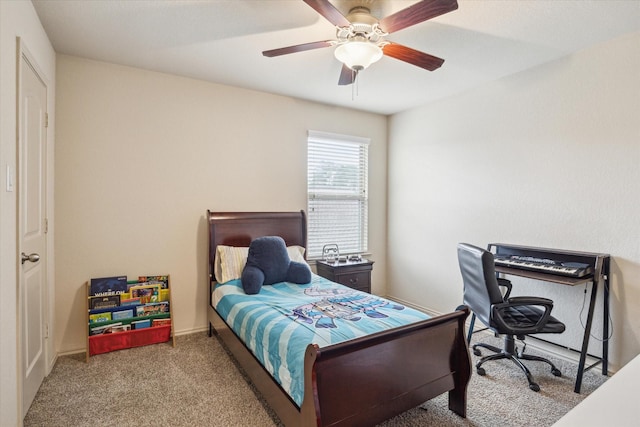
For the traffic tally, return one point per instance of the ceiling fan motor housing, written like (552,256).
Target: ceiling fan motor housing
(363,25)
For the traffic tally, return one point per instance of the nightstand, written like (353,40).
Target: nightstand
(355,274)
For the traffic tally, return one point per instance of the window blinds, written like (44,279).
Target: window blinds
(337,189)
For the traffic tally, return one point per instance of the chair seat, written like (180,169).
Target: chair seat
(526,316)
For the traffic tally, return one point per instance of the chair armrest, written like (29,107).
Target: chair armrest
(498,310)
(545,302)
(505,284)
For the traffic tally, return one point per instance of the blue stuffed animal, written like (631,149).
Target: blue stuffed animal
(268,262)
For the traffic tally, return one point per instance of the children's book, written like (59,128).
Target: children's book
(100,317)
(163,281)
(151,309)
(141,324)
(129,301)
(108,286)
(160,322)
(104,301)
(146,293)
(104,329)
(122,314)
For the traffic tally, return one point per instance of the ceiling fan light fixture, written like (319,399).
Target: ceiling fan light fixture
(357,54)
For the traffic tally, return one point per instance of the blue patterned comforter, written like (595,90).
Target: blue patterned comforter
(278,323)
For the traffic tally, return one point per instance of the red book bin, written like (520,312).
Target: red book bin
(105,343)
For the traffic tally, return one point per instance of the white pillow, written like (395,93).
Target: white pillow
(230,261)
(296,253)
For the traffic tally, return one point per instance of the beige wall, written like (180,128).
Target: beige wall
(549,157)
(141,156)
(18,19)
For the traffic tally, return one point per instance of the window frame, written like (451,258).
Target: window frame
(337,195)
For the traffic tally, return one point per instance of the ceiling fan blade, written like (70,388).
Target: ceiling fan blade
(412,56)
(419,12)
(347,76)
(330,13)
(297,48)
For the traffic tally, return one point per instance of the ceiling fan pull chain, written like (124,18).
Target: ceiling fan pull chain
(354,76)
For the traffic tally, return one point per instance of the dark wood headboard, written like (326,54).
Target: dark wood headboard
(240,228)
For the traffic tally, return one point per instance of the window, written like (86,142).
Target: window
(337,192)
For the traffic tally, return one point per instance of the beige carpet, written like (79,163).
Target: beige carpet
(198,384)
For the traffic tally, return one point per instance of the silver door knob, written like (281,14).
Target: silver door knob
(31,258)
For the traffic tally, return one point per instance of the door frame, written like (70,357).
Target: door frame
(47,304)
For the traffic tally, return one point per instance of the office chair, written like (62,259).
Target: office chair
(504,315)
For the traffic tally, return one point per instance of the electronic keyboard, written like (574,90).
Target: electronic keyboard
(544,265)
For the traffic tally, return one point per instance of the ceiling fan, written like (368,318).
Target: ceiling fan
(361,36)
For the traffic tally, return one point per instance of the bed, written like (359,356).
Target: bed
(358,382)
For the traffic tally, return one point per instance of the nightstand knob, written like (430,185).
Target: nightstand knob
(353,281)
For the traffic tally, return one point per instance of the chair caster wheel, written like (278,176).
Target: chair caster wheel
(477,352)
(535,387)
(556,372)
(481,372)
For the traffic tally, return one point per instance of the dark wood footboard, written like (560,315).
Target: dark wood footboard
(373,378)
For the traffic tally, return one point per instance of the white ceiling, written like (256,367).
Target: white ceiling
(221,41)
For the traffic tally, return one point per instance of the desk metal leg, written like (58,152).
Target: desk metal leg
(587,335)
(605,320)
(605,334)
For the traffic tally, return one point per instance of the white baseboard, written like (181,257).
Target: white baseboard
(177,334)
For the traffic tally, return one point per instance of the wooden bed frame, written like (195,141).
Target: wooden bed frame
(360,382)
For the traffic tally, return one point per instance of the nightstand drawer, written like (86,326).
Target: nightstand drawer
(360,281)
(354,274)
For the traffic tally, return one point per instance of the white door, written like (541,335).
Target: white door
(32,138)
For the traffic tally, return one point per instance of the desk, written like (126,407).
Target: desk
(600,276)
(614,403)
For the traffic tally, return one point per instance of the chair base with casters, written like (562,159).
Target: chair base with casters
(510,352)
